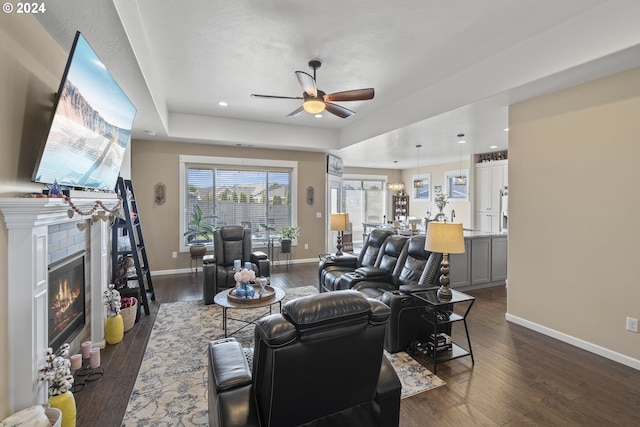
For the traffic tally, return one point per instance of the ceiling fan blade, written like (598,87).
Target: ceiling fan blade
(296,112)
(253,95)
(338,110)
(308,83)
(351,95)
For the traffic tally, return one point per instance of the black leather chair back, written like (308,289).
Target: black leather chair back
(232,242)
(415,261)
(391,252)
(372,245)
(319,358)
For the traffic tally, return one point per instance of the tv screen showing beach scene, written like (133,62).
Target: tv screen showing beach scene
(90,128)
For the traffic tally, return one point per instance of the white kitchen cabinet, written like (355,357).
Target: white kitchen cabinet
(491,178)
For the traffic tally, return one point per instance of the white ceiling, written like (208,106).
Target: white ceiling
(439,67)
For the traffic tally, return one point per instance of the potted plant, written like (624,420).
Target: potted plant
(199,231)
(287,234)
(57,372)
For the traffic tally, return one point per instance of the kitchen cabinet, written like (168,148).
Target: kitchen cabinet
(498,259)
(480,260)
(491,179)
(484,262)
(459,272)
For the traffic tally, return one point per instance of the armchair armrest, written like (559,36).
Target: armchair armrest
(261,260)
(228,364)
(231,401)
(342,261)
(409,289)
(388,394)
(374,273)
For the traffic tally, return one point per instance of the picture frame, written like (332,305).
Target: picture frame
(334,165)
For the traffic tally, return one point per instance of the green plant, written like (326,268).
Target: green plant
(198,228)
(289,232)
(268,228)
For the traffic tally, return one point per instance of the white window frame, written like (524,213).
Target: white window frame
(185,160)
(421,177)
(452,174)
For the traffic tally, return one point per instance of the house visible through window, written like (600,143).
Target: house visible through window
(248,195)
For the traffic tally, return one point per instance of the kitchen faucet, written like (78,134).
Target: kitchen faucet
(453,214)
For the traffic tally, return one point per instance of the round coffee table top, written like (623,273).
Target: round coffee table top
(222,299)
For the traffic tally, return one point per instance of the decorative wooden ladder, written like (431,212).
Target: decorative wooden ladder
(130,228)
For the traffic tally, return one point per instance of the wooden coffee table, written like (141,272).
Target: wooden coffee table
(222,299)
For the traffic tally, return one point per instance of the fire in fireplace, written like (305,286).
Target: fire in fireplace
(66,300)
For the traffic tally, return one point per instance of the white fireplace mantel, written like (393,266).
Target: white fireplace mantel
(27,221)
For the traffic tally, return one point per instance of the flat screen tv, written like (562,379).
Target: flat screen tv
(90,125)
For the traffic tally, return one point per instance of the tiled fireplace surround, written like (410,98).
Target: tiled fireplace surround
(34,226)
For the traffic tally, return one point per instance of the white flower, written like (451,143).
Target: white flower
(112,301)
(57,371)
(440,201)
(244,276)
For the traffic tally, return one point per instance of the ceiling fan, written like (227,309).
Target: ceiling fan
(315,101)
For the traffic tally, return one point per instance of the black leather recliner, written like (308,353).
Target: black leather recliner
(319,363)
(232,242)
(331,270)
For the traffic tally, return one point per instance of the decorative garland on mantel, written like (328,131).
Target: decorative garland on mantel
(97,204)
(115,210)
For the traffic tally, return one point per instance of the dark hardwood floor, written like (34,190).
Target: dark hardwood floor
(519,377)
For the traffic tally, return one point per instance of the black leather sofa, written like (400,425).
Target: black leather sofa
(330,270)
(415,270)
(319,363)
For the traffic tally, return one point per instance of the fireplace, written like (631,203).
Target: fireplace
(66,312)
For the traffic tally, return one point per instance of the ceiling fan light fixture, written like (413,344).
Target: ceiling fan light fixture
(313,105)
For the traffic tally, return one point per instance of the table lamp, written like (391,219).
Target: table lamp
(339,223)
(446,238)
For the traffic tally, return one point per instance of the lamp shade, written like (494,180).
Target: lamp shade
(444,237)
(339,221)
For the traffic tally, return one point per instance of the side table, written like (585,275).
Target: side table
(439,314)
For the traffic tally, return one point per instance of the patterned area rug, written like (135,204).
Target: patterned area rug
(171,388)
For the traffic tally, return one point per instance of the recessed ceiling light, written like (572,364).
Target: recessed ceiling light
(493,146)
(318,116)
(222,104)
(506,129)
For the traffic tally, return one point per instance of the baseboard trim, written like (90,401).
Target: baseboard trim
(188,270)
(577,342)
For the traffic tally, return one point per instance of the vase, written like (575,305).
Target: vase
(114,329)
(66,403)
(245,290)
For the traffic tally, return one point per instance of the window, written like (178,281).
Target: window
(424,191)
(245,192)
(457,184)
(363,200)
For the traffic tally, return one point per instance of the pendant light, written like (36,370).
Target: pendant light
(417,183)
(395,186)
(460,179)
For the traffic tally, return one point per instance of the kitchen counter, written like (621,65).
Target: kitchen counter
(471,234)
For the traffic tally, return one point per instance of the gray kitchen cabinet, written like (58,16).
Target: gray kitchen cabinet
(459,272)
(498,259)
(480,260)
